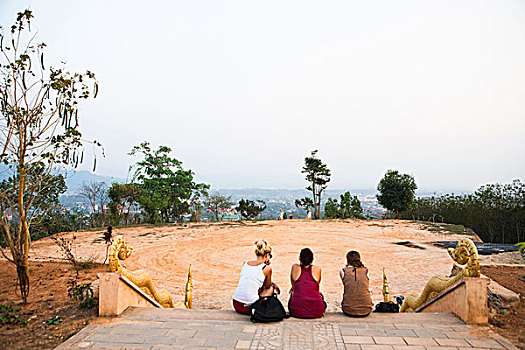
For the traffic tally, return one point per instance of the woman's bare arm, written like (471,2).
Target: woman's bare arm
(294,275)
(319,274)
(268,280)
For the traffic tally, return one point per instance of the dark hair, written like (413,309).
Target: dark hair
(354,259)
(306,256)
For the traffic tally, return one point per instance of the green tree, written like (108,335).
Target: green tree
(48,188)
(39,113)
(250,209)
(304,203)
(217,203)
(318,175)
(331,209)
(61,220)
(348,207)
(496,212)
(124,198)
(396,191)
(168,189)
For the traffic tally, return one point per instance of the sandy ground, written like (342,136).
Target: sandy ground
(217,252)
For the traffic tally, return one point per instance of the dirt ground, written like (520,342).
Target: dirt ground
(512,325)
(48,299)
(217,252)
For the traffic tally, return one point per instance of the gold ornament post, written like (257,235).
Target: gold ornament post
(386,290)
(188,299)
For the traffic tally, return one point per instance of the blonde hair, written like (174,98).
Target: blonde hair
(262,248)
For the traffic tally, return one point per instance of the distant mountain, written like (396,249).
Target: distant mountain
(74,179)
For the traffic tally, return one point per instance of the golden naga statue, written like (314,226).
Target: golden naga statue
(120,251)
(188,299)
(464,253)
(386,290)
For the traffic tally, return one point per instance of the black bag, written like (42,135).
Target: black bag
(267,309)
(387,307)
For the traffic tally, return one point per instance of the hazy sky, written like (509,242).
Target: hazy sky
(244,90)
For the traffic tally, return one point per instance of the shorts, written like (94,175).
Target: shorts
(241,308)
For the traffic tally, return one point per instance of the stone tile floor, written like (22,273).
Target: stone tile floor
(159,329)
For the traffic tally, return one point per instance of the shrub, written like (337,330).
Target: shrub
(8,314)
(82,294)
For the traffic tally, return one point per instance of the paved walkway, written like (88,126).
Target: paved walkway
(159,329)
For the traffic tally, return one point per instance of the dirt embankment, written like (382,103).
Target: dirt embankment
(48,303)
(511,325)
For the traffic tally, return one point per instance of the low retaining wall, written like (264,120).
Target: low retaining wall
(117,293)
(467,298)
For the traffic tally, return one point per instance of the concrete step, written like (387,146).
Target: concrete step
(164,329)
(153,314)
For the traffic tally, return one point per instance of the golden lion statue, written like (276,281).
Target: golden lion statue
(464,253)
(120,251)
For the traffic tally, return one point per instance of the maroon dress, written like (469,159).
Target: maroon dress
(306,301)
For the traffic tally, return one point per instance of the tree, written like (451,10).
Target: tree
(495,212)
(103,200)
(168,189)
(331,209)
(318,175)
(39,113)
(123,199)
(348,207)
(250,209)
(96,193)
(60,220)
(217,203)
(304,203)
(396,191)
(49,187)
(197,201)
(196,209)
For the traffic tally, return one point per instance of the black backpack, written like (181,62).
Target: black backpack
(267,309)
(387,307)
(390,307)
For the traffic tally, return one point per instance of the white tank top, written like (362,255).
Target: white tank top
(252,278)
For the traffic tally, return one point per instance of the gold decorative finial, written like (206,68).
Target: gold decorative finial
(188,300)
(386,290)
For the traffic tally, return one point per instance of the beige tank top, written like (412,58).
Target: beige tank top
(356,297)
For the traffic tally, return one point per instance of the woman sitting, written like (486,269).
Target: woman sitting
(256,279)
(305,300)
(357,301)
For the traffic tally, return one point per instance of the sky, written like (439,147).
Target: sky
(243,91)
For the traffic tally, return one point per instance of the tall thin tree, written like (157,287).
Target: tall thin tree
(40,104)
(318,176)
